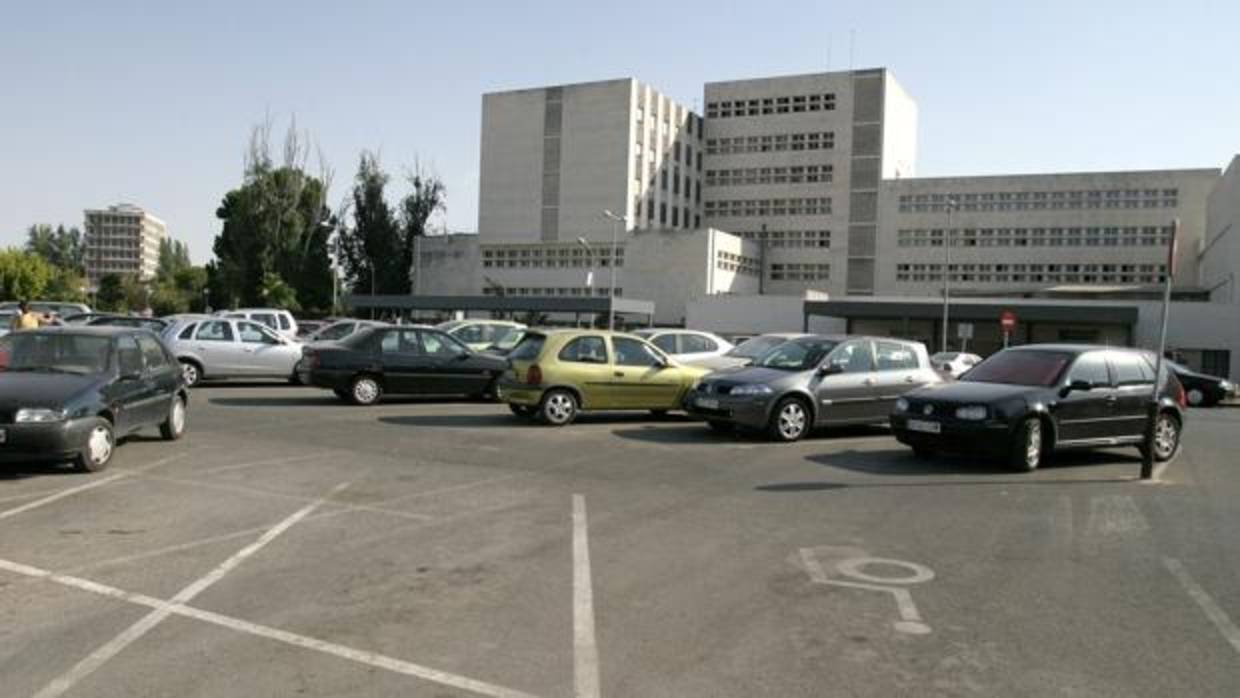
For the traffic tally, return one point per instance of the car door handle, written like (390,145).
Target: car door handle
(618,374)
(868,381)
(910,379)
(1111,399)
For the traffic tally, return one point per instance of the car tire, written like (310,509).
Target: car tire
(1167,432)
(341,393)
(365,390)
(100,444)
(1195,397)
(295,379)
(191,371)
(721,426)
(1029,446)
(173,427)
(522,411)
(558,408)
(790,420)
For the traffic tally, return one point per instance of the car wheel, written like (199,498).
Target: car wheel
(1029,445)
(720,426)
(1196,397)
(191,372)
(789,420)
(342,394)
(100,444)
(1166,437)
(559,407)
(173,427)
(365,390)
(523,411)
(295,379)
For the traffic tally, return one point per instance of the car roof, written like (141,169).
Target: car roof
(86,330)
(1075,348)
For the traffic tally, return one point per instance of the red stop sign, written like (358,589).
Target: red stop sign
(1007,320)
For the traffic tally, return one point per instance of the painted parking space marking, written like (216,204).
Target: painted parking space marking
(88,486)
(585,645)
(1216,614)
(852,569)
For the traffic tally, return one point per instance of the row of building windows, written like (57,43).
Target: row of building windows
(679,152)
(1035,273)
(790,238)
(771,143)
(550,256)
(1066,200)
(1112,236)
(550,291)
(693,123)
(771,105)
(796,174)
(739,263)
(813,206)
(800,272)
(674,216)
(692,189)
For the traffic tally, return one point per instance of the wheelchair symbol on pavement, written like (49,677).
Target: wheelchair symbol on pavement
(855,570)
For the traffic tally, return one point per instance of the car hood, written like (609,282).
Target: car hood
(753,374)
(717,363)
(22,389)
(967,392)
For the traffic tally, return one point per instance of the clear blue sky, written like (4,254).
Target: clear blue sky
(152,102)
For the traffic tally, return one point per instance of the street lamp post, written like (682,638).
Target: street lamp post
(615,236)
(590,273)
(947,270)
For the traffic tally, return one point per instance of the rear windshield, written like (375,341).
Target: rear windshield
(529,348)
(754,347)
(1021,367)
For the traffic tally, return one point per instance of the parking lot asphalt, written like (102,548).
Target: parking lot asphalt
(293,545)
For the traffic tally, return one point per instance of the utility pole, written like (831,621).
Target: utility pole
(589,274)
(615,236)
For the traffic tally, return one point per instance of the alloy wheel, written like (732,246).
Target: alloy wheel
(792,421)
(559,408)
(177,418)
(1033,444)
(1166,437)
(99,445)
(190,373)
(365,391)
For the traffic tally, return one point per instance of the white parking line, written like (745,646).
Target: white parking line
(270,461)
(135,632)
(88,486)
(361,656)
(1213,611)
(585,647)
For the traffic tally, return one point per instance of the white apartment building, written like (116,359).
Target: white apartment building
(122,239)
(1092,232)
(796,163)
(1219,255)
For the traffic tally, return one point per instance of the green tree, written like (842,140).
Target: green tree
(369,249)
(67,285)
(111,294)
(173,257)
(23,275)
(426,199)
(278,294)
(59,247)
(276,222)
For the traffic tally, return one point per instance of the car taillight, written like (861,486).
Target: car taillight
(533,376)
(1181,398)
(312,359)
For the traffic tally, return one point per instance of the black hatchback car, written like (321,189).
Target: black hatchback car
(410,360)
(1026,402)
(68,393)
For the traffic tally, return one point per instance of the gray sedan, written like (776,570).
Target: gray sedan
(226,348)
(813,381)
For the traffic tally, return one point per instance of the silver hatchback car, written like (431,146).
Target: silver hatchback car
(812,381)
(217,347)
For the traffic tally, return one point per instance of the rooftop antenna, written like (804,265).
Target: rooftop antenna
(852,40)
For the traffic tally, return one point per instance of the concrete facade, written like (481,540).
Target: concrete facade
(1219,255)
(554,158)
(796,163)
(122,239)
(1022,233)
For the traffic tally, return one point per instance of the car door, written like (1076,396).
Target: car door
(640,376)
(405,370)
(1134,386)
(265,353)
(897,371)
(454,368)
(1085,415)
(132,392)
(216,343)
(696,347)
(848,392)
(163,377)
(584,362)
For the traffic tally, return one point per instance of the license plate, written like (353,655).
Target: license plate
(924,427)
(707,403)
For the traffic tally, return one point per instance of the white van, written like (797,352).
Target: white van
(279,320)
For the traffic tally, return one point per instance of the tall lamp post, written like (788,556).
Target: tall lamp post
(617,221)
(590,273)
(947,270)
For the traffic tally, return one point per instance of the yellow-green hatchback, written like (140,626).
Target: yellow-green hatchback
(557,373)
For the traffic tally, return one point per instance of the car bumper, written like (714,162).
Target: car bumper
(24,443)
(983,438)
(331,380)
(516,393)
(747,411)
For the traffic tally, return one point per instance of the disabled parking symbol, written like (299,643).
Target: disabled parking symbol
(854,568)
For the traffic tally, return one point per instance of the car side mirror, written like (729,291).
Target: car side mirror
(830,369)
(461,356)
(1077,386)
(131,375)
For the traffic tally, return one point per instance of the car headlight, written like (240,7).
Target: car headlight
(1226,386)
(972,413)
(38,415)
(752,389)
(901,405)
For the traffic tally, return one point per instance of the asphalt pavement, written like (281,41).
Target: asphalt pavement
(292,545)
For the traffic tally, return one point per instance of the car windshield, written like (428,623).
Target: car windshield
(1021,367)
(948,356)
(54,353)
(797,355)
(754,347)
(528,348)
(510,340)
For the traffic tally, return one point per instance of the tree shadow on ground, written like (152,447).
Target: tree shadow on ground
(700,432)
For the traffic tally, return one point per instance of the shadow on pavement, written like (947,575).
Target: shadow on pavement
(462,421)
(699,432)
(308,400)
(21,471)
(901,461)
